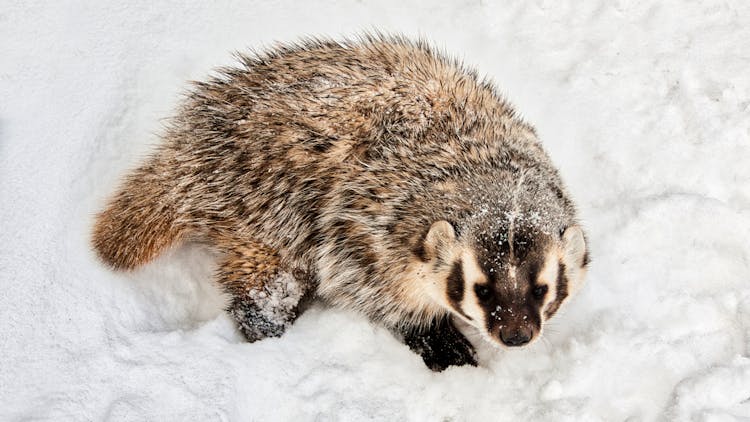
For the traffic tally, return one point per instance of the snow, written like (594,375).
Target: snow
(644,107)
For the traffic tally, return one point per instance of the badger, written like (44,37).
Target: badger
(374,173)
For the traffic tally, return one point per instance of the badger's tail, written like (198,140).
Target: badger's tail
(140,221)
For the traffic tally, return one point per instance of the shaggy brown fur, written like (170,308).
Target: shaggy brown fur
(333,159)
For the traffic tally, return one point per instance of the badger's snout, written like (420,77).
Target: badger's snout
(516,336)
(513,325)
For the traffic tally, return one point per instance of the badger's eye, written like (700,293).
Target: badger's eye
(540,291)
(482,291)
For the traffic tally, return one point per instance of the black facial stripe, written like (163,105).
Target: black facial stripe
(562,291)
(533,272)
(586,258)
(455,287)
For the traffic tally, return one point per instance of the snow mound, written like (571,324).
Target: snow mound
(644,107)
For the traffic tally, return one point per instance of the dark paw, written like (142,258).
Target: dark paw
(441,346)
(254,323)
(267,312)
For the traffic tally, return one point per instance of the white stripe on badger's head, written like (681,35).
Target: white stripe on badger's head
(465,274)
(548,277)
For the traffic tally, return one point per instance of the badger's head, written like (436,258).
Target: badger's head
(505,280)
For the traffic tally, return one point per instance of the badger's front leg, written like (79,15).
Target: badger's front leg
(441,345)
(265,297)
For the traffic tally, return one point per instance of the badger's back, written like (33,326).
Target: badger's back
(306,124)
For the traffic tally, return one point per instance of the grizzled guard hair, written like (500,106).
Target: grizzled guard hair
(374,173)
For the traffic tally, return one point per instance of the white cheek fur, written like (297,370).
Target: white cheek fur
(472,275)
(548,276)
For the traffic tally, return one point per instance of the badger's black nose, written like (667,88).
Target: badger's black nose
(517,337)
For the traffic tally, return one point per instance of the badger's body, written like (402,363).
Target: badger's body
(369,171)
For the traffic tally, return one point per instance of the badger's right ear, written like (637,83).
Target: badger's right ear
(438,240)
(575,256)
(574,242)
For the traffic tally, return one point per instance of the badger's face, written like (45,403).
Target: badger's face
(507,284)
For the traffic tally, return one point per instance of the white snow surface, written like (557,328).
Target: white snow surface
(644,107)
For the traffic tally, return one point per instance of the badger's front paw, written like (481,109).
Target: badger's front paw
(441,345)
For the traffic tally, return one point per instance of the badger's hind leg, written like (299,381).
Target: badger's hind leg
(265,297)
(441,345)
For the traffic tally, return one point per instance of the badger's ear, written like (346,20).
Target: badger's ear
(437,240)
(575,256)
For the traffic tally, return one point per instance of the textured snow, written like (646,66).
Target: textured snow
(644,106)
